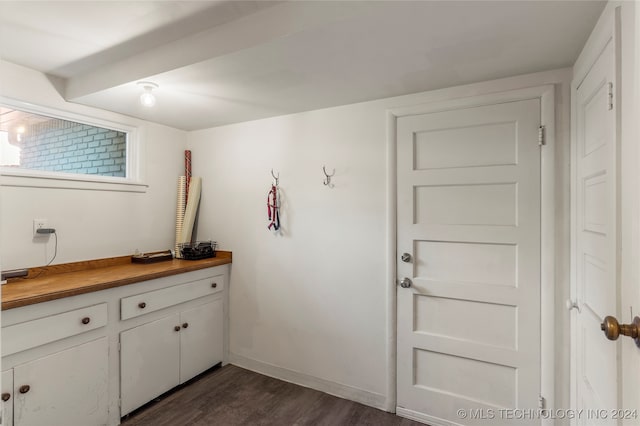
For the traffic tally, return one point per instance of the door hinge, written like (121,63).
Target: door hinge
(541,136)
(118,346)
(610,96)
(542,403)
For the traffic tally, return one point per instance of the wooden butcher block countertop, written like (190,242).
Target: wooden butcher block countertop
(70,279)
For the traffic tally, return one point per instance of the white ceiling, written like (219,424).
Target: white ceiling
(220,62)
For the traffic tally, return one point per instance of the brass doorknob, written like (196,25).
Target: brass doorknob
(6,396)
(613,329)
(24,388)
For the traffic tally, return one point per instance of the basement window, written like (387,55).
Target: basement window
(46,149)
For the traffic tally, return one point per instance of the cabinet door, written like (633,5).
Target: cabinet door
(201,339)
(7,392)
(149,361)
(66,388)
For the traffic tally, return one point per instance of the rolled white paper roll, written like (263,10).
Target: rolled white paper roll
(180,209)
(192,207)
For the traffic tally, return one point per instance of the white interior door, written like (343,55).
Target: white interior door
(469,217)
(595,227)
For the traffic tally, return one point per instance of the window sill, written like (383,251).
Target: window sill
(65,181)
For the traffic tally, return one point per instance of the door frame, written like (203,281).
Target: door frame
(465,99)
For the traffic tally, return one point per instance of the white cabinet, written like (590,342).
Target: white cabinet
(149,354)
(145,303)
(37,332)
(69,385)
(159,355)
(7,398)
(65,388)
(66,351)
(200,339)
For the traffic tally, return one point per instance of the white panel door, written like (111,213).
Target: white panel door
(596,242)
(149,361)
(469,217)
(66,388)
(201,339)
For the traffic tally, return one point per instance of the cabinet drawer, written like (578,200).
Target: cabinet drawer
(151,301)
(30,334)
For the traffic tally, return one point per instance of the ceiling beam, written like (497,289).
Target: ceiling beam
(281,20)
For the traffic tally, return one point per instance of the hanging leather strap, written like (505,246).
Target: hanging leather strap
(273,209)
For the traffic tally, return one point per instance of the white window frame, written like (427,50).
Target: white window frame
(135,176)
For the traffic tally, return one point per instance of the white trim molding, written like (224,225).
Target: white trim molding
(423,418)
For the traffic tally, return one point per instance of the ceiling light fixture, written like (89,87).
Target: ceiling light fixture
(147,98)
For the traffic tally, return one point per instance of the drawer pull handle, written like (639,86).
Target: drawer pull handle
(25,388)
(142,305)
(6,396)
(86,320)
(176,328)
(185,325)
(214,285)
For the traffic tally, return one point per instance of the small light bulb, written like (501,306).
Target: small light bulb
(147,99)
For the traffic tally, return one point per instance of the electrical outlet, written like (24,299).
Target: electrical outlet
(39,224)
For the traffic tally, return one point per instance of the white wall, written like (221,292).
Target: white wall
(309,299)
(310,304)
(89,224)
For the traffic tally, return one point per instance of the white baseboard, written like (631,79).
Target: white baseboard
(423,418)
(371,399)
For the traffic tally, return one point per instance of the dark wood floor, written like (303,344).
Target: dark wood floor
(231,395)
